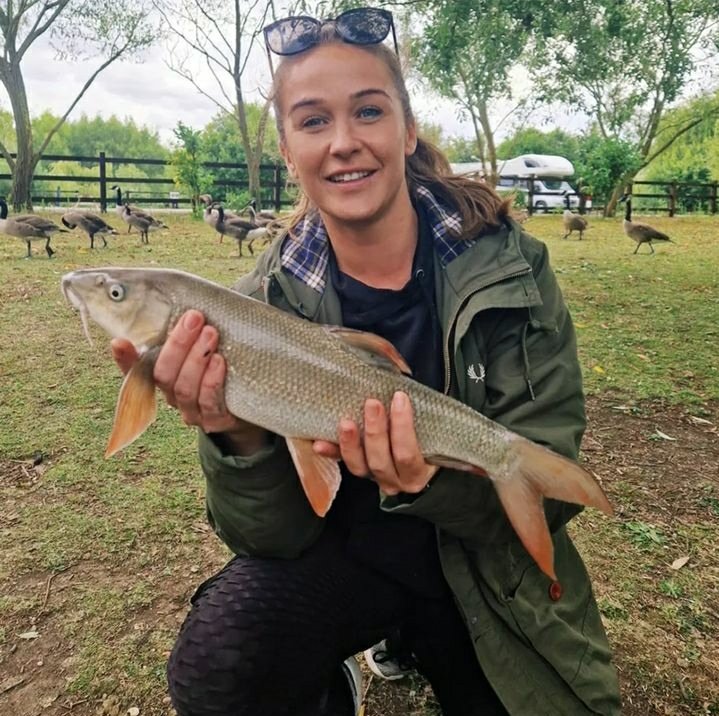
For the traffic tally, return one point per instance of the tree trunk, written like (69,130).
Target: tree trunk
(26,159)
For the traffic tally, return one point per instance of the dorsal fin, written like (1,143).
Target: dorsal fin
(371,348)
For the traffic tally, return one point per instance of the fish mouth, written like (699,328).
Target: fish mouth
(75,300)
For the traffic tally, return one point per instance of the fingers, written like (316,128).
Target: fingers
(414,473)
(388,449)
(192,375)
(173,354)
(187,385)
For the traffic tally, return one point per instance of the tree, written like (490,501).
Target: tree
(108,29)
(221,34)
(466,52)
(187,163)
(625,64)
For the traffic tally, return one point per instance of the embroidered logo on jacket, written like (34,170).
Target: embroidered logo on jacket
(476,374)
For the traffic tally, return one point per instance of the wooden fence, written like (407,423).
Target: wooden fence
(671,197)
(273,182)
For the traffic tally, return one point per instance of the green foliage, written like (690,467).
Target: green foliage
(186,161)
(694,156)
(466,51)
(460,149)
(601,163)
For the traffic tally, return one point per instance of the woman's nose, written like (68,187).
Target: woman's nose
(344,139)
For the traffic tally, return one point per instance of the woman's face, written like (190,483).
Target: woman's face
(345,137)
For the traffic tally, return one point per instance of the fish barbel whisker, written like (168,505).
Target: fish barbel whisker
(73,298)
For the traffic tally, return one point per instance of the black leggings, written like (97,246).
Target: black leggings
(267,637)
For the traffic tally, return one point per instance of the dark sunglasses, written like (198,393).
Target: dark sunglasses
(361,26)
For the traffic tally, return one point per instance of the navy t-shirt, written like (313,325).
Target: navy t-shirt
(403,547)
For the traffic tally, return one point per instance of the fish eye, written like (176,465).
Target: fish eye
(116,291)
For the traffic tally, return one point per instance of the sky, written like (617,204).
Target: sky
(155,96)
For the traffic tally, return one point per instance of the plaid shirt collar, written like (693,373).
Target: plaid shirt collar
(305,250)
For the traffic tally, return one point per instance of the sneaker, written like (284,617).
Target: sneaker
(383,662)
(354,679)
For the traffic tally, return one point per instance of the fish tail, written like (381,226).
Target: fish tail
(536,473)
(136,404)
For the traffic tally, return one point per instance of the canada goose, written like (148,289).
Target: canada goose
(120,206)
(238,229)
(261,218)
(639,232)
(142,221)
(28,228)
(90,223)
(574,222)
(210,214)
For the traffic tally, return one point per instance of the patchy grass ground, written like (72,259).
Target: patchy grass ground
(99,557)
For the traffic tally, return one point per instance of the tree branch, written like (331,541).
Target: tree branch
(57,6)
(710,115)
(6,153)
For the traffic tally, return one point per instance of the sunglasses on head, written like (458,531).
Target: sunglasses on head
(361,26)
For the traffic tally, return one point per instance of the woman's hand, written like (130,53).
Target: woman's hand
(192,376)
(390,452)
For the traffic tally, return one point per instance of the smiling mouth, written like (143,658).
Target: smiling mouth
(349,176)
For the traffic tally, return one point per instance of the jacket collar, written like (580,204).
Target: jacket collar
(305,250)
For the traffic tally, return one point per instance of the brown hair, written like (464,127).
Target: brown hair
(479,206)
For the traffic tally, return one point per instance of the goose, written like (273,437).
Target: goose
(574,222)
(261,218)
(210,214)
(238,229)
(120,206)
(28,228)
(142,221)
(639,232)
(90,223)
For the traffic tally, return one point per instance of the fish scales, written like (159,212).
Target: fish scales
(297,379)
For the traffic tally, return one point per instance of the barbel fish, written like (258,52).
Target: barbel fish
(297,379)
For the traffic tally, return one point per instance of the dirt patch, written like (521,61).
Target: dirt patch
(659,466)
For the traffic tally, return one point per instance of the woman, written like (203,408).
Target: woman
(386,240)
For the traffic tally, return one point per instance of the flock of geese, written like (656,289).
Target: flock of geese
(638,231)
(30,227)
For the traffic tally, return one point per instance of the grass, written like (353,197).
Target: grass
(101,556)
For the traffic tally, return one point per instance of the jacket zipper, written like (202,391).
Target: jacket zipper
(458,310)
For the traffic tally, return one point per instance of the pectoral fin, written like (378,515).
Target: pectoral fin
(371,348)
(320,476)
(136,404)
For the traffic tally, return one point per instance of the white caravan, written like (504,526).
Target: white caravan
(550,192)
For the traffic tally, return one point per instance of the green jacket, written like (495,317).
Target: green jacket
(510,353)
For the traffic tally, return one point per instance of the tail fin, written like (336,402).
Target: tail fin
(536,473)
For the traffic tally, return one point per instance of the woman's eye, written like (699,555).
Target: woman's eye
(311,122)
(370,112)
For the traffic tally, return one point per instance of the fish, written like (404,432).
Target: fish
(298,379)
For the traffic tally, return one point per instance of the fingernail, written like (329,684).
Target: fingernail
(373,409)
(399,400)
(192,320)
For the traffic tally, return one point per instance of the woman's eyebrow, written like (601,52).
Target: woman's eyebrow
(314,101)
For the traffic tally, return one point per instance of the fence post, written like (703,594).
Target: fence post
(277,187)
(103,183)
(713,197)
(672,198)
